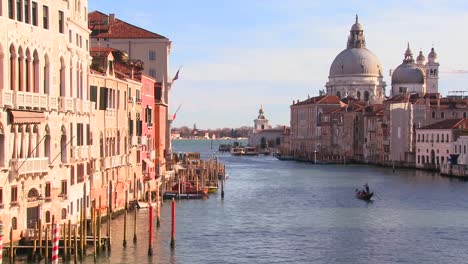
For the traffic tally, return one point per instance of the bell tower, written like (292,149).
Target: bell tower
(261,122)
(432,73)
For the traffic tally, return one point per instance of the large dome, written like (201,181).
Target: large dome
(356,61)
(408,73)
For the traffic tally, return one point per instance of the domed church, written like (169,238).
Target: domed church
(356,71)
(419,77)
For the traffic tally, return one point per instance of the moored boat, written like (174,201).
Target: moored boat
(250,151)
(237,151)
(284,157)
(176,195)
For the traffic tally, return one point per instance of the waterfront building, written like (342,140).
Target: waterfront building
(306,131)
(263,136)
(46,147)
(375,134)
(118,135)
(458,164)
(152,50)
(416,77)
(356,71)
(437,143)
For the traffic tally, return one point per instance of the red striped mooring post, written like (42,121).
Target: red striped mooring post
(55,244)
(150,240)
(1,243)
(173,224)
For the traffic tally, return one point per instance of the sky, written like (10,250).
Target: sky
(238,55)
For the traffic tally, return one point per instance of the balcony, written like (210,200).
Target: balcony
(110,113)
(81,152)
(78,106)
(30,165)
(28,100)
(67,104)
(6,98)
(53,103)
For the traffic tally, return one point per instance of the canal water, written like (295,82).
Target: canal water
(289,212)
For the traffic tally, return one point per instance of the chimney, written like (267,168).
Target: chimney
(111,18)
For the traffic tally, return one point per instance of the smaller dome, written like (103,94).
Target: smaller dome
(408,73)
(421,59)
(432,54)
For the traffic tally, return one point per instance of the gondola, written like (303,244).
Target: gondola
(362,195)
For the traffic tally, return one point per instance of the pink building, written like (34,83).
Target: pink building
(148,153)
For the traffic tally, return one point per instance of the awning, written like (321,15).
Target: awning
(149,163)
(21,117)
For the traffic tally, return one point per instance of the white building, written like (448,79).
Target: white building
(47,116)
(356,71)
(435,144)
(263,136)
(419,77)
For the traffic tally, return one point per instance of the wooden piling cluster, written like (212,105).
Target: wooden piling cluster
(73,239)
(199,173)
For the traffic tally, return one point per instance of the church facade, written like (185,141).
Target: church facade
(263,136)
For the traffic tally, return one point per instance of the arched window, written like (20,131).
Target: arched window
(47,217)
(366,96)
(13,73)
(20,69)
(64,213)
(14,223)
(63,145)
(278,141)
(71,78)
(118,143)
(28,60)
(62,77)
(46,74)
(338,94)
(2,146)
(101,144)
(35,72)
(358,95)
(47,143)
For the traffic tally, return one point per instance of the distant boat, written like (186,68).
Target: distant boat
(237,151)
(250,151)
(283,157)
(224,147)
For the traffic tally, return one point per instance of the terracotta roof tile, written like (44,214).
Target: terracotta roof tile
(103,26)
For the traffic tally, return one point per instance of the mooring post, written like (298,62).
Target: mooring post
(55,243)
(94,229)
(125,220)
(99,226)
(69,240)
(109,219)
(34,244)
(76,243)
(65,246)
(46,244)
(158,207)
(150,236)
(222,189)
(173,222)
(135,226)
(39,252)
